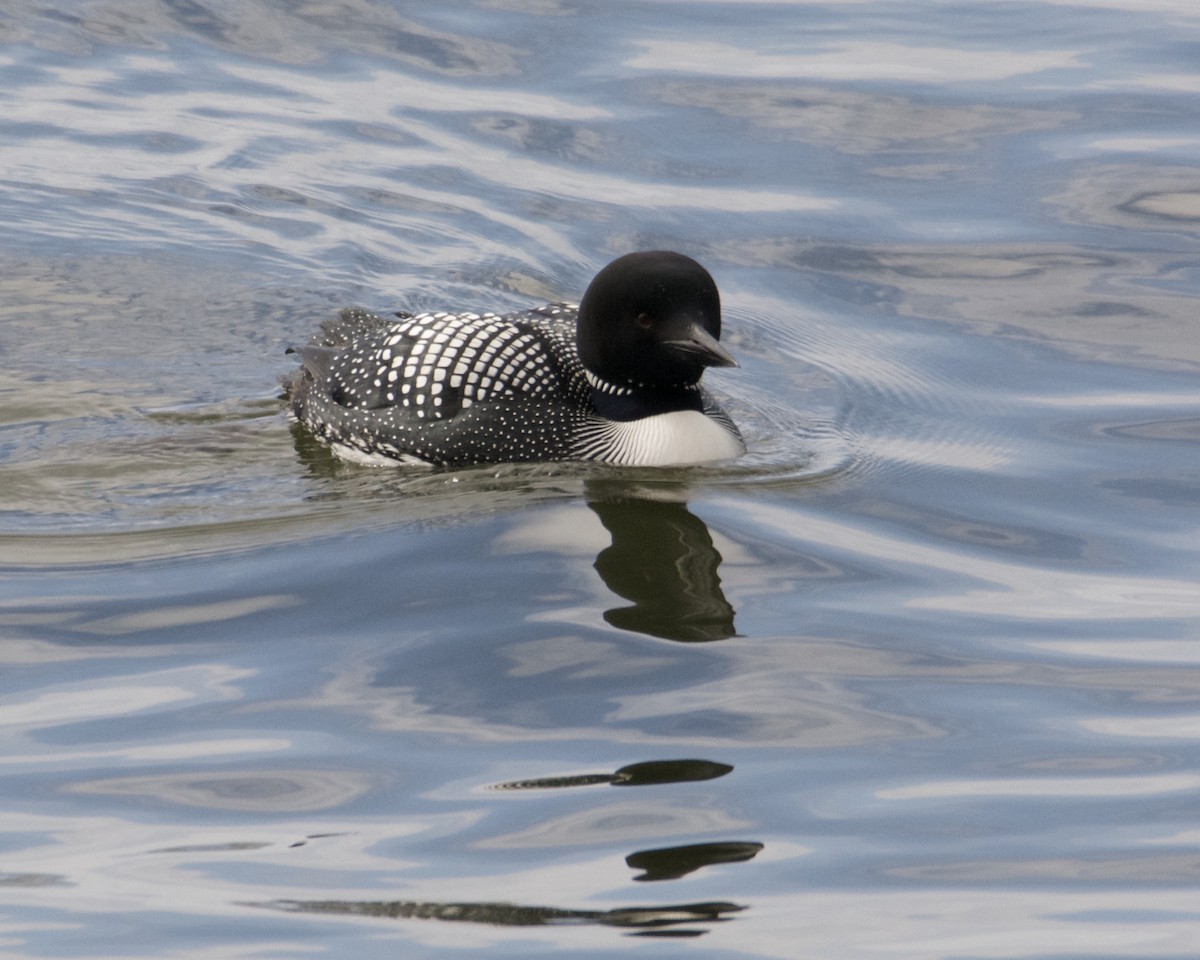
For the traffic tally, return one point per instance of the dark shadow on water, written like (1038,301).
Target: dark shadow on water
(316,456)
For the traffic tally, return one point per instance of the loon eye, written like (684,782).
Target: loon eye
(644,321)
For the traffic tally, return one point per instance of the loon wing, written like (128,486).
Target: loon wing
(446,387)
(433,366)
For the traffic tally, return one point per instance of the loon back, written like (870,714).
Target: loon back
(444,388)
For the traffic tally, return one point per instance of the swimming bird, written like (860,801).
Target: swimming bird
(615,378)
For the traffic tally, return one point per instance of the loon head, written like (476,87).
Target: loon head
(651,318)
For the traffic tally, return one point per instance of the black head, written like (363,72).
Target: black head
(652,318)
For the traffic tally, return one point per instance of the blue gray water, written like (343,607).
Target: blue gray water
(918,678)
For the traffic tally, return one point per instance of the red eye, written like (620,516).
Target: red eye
(644,321)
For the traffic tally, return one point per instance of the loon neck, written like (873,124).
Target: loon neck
(632,401)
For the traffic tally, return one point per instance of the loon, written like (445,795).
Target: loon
(615,378)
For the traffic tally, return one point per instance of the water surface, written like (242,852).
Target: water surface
(919,676)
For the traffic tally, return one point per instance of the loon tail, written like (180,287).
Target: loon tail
(317,360)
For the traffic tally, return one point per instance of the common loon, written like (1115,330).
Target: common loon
(614,379)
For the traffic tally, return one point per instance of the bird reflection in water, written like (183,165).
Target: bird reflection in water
(634,775)
(662,559)
(668,863)
(648,919)
(671,863)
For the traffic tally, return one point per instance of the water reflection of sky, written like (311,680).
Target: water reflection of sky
(849,60)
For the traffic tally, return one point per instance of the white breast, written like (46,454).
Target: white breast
(668,439)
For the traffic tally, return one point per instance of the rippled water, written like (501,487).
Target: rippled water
(918,677)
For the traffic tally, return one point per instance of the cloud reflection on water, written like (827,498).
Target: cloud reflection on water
(1008,590)
(855,60)
(267,791)
(1126,786)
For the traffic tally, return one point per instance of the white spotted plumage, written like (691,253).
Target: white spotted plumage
(456,388)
